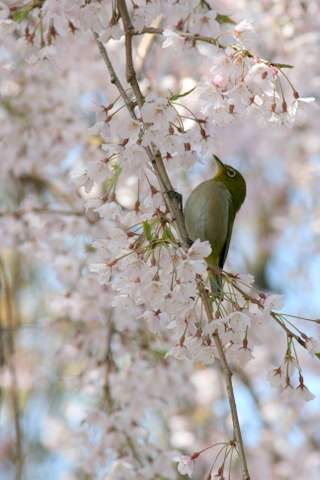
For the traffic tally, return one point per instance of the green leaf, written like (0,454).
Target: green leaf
(90,248)
(224,19)
(180,95)
(147,231)
(317,355)
(282,65)
(167,234)
(21,15)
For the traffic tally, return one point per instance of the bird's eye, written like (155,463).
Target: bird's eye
(231,172)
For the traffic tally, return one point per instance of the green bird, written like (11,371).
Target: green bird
(210,212)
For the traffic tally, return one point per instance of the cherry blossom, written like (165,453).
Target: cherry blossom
(186,464)
(157,112)
(104,272)
(173,40)
(206,24)
(312,345)
(244,33)
(179,352)
(304,393)
(7,27)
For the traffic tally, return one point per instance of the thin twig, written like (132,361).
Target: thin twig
(160,171)
(129,33)
(153,154)
(113,76)
(109,363)
(228,379)
(186,35)
(178,219)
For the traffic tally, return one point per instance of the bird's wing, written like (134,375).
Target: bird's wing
(224,253)
(206,215)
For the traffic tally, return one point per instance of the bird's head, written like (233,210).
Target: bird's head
(234,182)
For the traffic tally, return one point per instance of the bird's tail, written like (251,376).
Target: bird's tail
(216,284)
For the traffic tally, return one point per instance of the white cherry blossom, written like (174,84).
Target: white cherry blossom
(244,33)
(186,464)
(173,40)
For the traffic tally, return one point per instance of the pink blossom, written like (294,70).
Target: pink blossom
(304,393)
(154,318)
(4,11)
(206,24)
(103,271)
(220,82)
(289,393)
(98,171)
(113,31)
(155,292)
(221,65)
(173,40)
(7,27)
(312,345)
(244,355)
(245,34)
(189,269)
(179,352)
(206,354)
(199,250)
(276,378)
(95,16)
(289,365)
(186,464)
(273,302)
(238,321)
(129,128)
(135,159)
(210,99)
(157,112)
(109,210)
(303,104)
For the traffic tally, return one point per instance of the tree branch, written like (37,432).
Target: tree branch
(176,214)
(113,76)
(231,398)
(186,35)
(129,33)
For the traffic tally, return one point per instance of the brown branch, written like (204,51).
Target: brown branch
(156,160)
(153,154)
(187,36)
(129,33)
(113,76)
(228,379)
(178,220)
(109,363)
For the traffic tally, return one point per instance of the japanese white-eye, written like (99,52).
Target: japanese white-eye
(210,212)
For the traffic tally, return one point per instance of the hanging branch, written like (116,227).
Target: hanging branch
(228,379)
(173,205)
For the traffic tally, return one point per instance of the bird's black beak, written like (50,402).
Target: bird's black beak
(219,163)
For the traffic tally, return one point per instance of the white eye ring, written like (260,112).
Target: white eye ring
(231,173)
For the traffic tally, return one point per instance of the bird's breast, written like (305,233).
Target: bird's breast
(207,214)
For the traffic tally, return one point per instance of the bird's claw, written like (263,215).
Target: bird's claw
(189,241)
(177,195)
